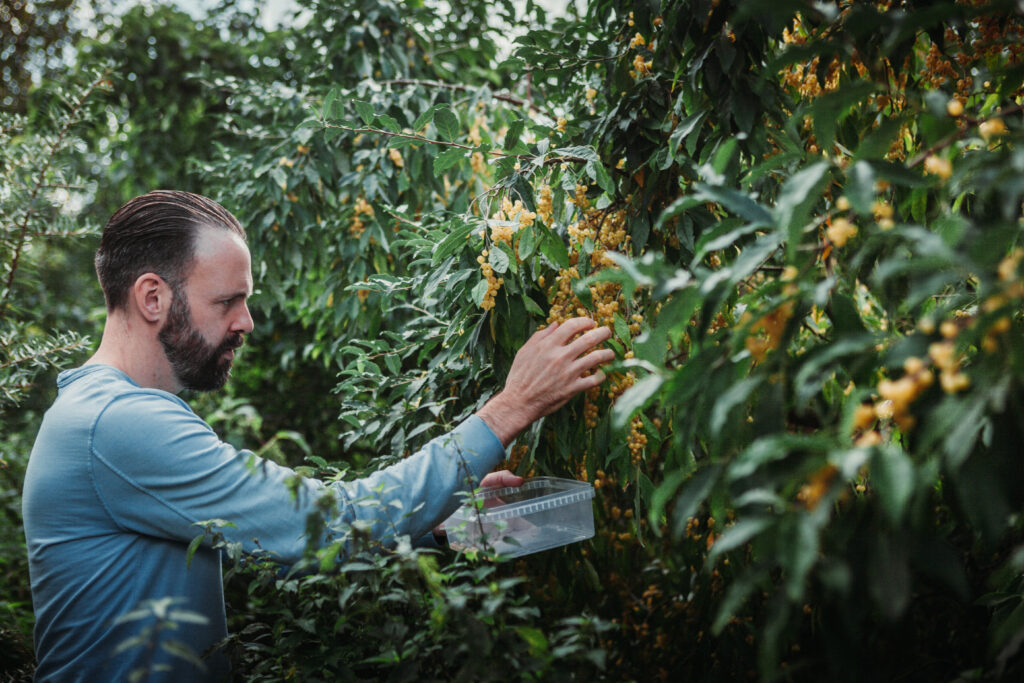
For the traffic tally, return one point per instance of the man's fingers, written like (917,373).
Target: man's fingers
(546,332)
(589,381)
(570,328)
(592,360)
(502,478)
(589,341)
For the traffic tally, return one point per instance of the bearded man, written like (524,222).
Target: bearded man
(123,471)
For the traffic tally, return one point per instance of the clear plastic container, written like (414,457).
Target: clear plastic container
(543,513)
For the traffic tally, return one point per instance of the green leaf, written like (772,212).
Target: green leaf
(800,193)
(735,201)
(453,242)
(532,307)
(736,594)
(425,118)
(621,328)
(635,398)
(279,177)
(599,174)
(479,291)
(527,242)
(535,638)
(736,535)
(447,124)
(192,548)
(393,362)
(733,396)
(447,159)
(695,492)
(860,187)
(554,249)
(329,102)
(892,477)
(830,109)
(498,259)
(389,123)
(515,130)
(365,111)
(800,543)
(889,578)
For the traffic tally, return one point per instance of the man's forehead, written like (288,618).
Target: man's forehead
(222,256)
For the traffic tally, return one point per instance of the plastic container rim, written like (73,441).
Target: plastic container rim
(572,491)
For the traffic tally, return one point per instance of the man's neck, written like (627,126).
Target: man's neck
(134,349)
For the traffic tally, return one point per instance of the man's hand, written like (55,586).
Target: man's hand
(501,479)
(547,371)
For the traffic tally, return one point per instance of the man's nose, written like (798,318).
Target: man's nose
(244,322)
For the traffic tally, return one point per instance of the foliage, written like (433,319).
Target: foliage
(38,189)
(35,35)
(802,222)
(395,614)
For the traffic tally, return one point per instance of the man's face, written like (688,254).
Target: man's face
(208,316)
(197,364)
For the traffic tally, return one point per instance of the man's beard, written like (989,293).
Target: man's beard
(197,364)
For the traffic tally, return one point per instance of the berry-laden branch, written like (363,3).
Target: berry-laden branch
(458,145)
(946,142)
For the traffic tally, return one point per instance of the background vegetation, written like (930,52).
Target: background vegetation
(802,221)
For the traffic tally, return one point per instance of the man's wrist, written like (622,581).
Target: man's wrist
(505,417)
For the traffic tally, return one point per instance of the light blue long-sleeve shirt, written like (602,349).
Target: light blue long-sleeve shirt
(120,476)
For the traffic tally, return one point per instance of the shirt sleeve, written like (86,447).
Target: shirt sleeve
(160,470)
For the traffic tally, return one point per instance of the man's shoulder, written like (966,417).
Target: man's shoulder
(103,400)
(103,385)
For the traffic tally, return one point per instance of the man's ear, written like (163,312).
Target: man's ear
(152,296)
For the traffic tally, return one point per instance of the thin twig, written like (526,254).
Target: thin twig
(457,145)
(503,96)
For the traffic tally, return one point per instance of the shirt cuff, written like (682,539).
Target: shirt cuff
(477,431)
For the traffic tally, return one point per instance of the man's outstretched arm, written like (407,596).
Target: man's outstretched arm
(553,366)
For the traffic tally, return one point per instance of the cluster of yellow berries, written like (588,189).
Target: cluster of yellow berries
(839,232)
(1012,289)
(641,67)
(579,197)
(637,440)
(766,332)
(362,208)
(938,166)
(818,484)
(477,163)
(396,158)
(493,283)
(992,128)
(509,219)
(951,377)
(545,207)
(474,137)
(895,396)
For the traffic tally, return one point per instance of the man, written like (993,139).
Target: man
(122,470)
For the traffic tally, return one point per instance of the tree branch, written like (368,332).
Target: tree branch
(457,145)
(503,96)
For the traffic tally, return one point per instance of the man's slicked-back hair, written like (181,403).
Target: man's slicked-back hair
(155,233)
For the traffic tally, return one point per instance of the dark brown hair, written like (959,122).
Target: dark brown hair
(155,233)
